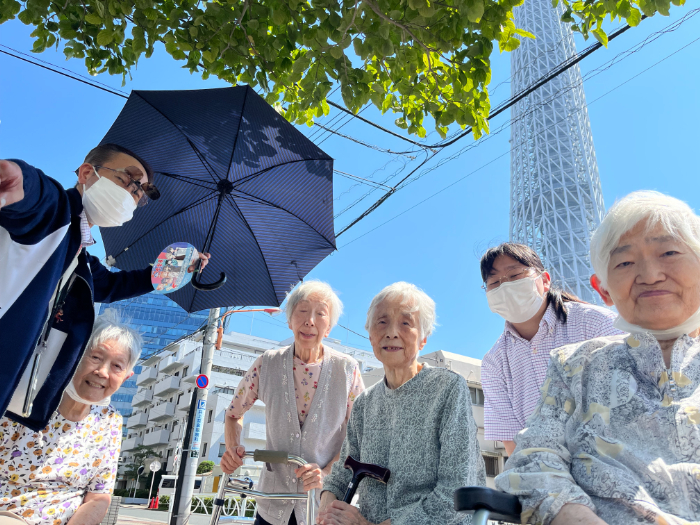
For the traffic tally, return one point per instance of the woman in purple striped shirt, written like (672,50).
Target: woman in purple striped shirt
(539,318)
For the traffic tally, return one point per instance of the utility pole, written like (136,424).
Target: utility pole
(190,448)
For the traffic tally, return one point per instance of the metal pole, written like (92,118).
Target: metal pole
(153,477)
(188,464)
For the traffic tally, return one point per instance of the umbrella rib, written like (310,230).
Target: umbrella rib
(263,171)
(236,210)
(190,180)
(253,198)
(188,207)
(197,152)
(238,132)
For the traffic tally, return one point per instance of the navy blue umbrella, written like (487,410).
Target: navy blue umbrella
(237,180)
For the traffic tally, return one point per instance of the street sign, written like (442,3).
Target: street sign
(198,426)
(202,381)
(155,466)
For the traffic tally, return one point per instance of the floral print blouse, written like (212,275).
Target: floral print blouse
(45,475)
(615,430)
(305,383)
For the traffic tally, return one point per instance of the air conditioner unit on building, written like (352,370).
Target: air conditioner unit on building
(498,445)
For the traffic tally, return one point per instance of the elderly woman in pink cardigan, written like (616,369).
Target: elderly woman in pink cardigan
(308,390)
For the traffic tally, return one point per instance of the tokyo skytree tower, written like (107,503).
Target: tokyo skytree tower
(555,197)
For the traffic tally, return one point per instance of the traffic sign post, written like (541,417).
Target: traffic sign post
(187,470)
(153,467)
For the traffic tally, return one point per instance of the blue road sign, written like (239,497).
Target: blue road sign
(202,381)
(198,426)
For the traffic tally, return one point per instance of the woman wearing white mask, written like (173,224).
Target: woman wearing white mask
(66,471)
(539,318)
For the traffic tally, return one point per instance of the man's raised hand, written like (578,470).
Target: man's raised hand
(11,183)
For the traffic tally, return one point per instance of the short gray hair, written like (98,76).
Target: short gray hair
(314,287)
(418,300)
(111,326)
(677,218)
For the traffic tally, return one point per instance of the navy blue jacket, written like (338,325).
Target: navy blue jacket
(39,237)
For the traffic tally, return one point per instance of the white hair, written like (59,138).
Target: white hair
(314,287)
(111,326)
(417,299)
(677,218)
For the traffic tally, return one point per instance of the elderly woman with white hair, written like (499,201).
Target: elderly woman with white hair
(616,436)
(66,472)
(417,422)
(324,384)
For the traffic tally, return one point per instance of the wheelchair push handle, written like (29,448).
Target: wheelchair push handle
(270,456)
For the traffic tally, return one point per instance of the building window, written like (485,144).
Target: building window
(170,451)
(185,370)
(177,374)
(477,396)
(204,450)
(222,449)
(491,464)
(209,416)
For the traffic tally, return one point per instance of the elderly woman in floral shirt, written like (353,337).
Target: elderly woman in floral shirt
(66,471)
(308,390)
(616,436)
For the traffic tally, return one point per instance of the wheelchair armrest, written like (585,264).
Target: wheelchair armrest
(501,506)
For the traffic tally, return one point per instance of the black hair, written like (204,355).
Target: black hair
(528,257)
(106,152)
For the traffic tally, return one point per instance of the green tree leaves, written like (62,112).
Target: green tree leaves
(416,58)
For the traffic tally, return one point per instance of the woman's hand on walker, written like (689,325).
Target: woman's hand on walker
(311,475)
(231,460)
(340,513)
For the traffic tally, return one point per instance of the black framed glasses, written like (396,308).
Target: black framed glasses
(129,178)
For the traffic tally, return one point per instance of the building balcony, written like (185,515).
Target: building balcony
(132,443)
(169,364)
(147,376)
(161,413)
(177,432)
(166,387)
(184,403)
(157,437)
(192,362)
(142,398)
(137,420)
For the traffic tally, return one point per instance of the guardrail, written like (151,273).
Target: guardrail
(233,506)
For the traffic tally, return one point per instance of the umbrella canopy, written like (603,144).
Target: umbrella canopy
(229,166)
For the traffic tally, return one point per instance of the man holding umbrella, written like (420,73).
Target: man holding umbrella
(48,282)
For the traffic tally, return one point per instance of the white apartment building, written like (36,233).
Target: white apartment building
(165,385)
(469,368)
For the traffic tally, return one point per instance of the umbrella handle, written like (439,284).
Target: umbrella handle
(199,285)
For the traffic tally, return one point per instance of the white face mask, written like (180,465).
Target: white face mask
(516,301)
(689,325)
(73,394)
(107,204)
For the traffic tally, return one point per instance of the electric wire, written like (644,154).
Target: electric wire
(584,106)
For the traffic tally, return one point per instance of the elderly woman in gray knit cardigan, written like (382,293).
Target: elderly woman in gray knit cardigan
(417,422)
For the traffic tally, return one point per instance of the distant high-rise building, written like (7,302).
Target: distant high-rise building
(161,321)
(555,196)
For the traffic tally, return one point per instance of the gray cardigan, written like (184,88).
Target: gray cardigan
(424,432)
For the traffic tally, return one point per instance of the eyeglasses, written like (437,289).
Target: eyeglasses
(514,275)
(129,178)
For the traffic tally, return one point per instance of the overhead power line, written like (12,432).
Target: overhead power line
(513,147)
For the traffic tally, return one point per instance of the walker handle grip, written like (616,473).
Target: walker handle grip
(271,456)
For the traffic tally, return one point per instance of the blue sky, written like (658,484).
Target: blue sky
(644,134)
